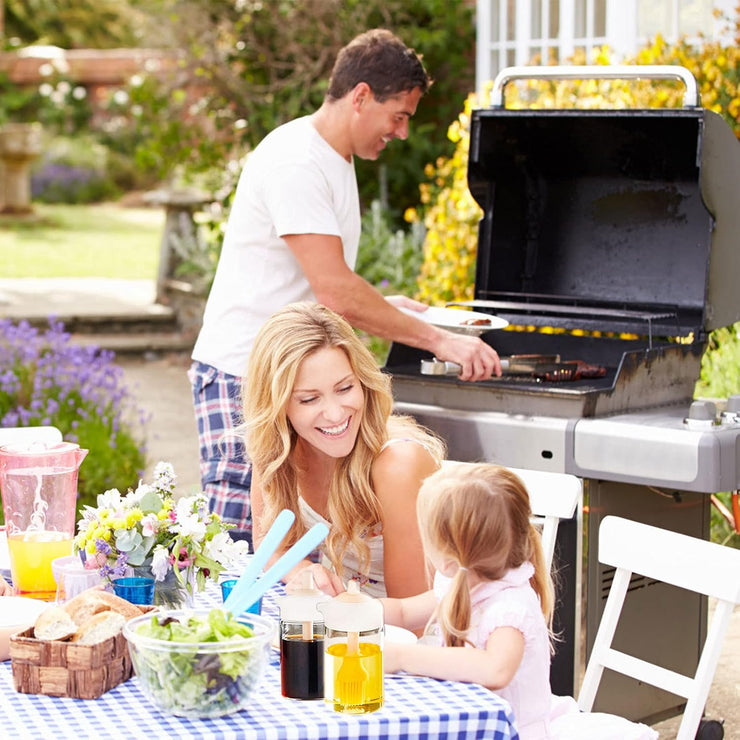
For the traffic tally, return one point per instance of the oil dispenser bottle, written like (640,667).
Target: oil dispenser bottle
(302,641)
(353,657)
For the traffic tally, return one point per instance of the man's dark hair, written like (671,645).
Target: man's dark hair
(383,61)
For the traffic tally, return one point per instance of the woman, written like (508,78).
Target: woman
(323,443)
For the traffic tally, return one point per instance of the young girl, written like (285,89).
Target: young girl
(489,612)
(324,444)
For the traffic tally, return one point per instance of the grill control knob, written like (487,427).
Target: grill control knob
(701,414)
(733,404)
(731,414)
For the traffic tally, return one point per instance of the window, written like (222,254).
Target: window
(674,18)
(536,31)
(546,31)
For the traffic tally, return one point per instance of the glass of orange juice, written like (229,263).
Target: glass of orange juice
(38,483)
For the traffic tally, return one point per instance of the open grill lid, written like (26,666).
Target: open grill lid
(617,220)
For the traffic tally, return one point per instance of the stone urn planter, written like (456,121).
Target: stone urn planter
(20,144)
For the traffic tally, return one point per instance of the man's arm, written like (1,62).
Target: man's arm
(336,286)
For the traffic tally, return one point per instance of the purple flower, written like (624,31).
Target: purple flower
(102,547)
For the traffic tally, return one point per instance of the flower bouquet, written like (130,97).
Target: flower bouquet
(150,532)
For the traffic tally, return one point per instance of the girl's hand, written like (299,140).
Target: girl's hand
(323,579)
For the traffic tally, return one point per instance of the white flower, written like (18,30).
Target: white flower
(149,524)
(79,93)
(133,498)
(136,81)
(164,476)
(111,499)
(225,550)
(120,97)
(160,563)
(187,523)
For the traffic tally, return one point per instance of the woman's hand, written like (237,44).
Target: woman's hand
(5,588)
(323,579)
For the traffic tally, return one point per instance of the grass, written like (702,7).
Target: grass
(102,240)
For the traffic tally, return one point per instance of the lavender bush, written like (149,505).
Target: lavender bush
(45,379)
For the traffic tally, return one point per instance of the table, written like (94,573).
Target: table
(415,707)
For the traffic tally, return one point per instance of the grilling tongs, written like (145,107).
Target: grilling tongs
(539,367)
(532,365)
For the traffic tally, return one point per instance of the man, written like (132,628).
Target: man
(292,235)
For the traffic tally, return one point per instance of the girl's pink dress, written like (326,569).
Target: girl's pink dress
(512,602)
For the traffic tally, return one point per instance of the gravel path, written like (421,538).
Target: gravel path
(160,387)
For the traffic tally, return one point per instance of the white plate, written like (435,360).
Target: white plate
(454,319)
(398,634)
(16,613)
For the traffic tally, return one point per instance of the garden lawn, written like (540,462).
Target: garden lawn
(102,240)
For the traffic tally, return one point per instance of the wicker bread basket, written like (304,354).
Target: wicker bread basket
(58,668)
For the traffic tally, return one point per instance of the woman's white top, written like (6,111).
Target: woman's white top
(373,583)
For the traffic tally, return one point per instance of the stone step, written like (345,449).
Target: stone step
(137,343)
(154,318)
(119,315)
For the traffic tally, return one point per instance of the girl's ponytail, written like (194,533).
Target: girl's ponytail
(454,611)
(541,580)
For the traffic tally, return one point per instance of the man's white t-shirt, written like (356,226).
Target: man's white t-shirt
(294,182)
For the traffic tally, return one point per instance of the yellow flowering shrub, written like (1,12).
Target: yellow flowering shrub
(449,211)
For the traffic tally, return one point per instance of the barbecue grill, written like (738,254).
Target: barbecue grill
(621,224)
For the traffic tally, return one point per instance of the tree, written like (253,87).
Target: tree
(247,66)
(74,24)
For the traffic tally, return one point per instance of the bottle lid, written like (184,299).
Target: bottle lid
(352,611)
(300,604)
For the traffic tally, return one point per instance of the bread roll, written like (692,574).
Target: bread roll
(85,605)
(99,627)
(93,601)
(54,623)
(117,604)
(90,617)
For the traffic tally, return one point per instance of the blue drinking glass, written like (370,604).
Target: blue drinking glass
(136,589)
(227,586)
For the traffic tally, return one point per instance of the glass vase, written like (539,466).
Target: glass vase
(170,592)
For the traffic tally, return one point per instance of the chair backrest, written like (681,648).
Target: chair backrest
(687,562)
(13,435)
(552,497)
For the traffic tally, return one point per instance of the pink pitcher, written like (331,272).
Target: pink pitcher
(38,483)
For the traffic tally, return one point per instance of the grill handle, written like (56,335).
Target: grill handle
(597,72)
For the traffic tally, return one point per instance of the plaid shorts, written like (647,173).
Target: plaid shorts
(225,469)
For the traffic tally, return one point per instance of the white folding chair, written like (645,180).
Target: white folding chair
(680,560)
(22,435)
(552,497)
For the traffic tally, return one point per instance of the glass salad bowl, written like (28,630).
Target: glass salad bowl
(199,662)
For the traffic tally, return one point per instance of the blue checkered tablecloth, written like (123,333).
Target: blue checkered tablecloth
(415,707)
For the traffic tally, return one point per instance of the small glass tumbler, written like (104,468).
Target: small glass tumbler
(227,586)
(136,589)
(72,577)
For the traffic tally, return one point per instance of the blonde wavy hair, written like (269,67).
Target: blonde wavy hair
(479,517)
(282,344)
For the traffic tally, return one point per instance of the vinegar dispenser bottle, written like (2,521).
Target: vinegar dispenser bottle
(302,641)
(353,658)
